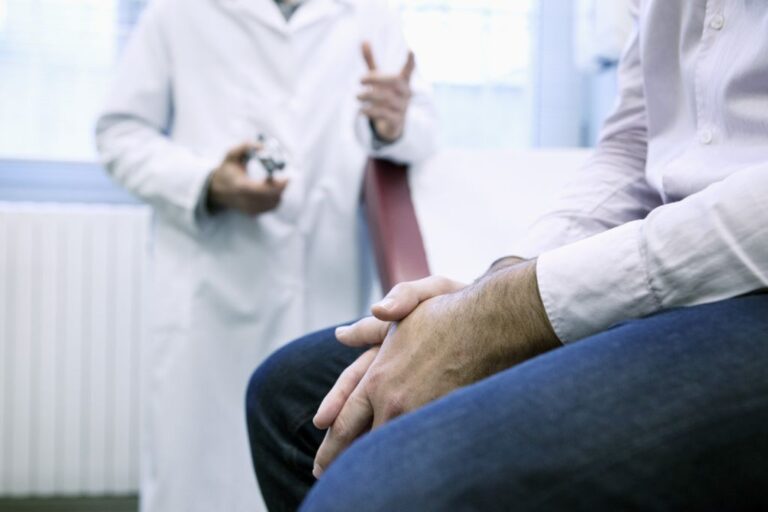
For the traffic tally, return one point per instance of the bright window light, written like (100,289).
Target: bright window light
(470,42)
(478,55)
(57,56)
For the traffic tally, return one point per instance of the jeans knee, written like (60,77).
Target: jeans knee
(280,387)
(256,393)
(263,395)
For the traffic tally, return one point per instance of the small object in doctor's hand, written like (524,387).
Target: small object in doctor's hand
(271,155)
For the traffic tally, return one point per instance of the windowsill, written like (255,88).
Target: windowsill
(59,182)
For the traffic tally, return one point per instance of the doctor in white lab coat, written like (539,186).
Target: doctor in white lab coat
(243,265)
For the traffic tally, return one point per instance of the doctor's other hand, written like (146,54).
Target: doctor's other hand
(386,97)
(231,188)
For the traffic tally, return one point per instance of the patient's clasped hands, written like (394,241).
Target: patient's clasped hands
(428,338)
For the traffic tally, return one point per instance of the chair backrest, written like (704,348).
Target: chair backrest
(392,223)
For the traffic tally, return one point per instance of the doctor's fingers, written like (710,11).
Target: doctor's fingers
(346,383)
(409,67)
(255,207)
(383,98)
(370,61)
(266,188)
(260,197)
(366,332)
(387,115)
(403,298)
(393,83)
(241,152)
(353,421)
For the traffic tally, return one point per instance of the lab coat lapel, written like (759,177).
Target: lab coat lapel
(262,11)
(314,11)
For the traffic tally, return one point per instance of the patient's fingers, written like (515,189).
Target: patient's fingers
(346,383)
(405,297)
(368,331)
(353,421)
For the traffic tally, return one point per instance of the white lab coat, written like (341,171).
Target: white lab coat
(198,77)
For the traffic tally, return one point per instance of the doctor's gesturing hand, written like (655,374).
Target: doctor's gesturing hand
(386,97)
(230,186)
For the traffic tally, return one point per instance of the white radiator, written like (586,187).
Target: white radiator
(72,288)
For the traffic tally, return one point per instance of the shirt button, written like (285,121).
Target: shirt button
(717,22)
(706,136)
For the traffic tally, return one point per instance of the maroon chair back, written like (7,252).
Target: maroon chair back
(392,223)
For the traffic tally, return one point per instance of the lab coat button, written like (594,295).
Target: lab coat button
(717,22)
(706,136)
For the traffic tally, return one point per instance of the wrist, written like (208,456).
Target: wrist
(380,140)
(511,305)
(213,195)
(505,262)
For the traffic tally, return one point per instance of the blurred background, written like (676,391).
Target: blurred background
(527,78)
(523,73)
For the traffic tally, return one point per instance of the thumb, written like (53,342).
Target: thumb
(278,184)
(397,305)
(405,297)
(368,56)
(410,65)
(240,153)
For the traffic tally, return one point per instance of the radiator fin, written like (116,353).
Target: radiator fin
(72,296)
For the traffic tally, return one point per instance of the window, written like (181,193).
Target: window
(477,54)
(56,58)
(484,57)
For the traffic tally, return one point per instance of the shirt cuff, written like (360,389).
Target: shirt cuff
(404,150)
(188,209)
(202,213)
(595,283)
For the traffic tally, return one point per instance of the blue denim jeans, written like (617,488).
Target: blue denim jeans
(665,413)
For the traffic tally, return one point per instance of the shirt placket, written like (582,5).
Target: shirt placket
(714,22)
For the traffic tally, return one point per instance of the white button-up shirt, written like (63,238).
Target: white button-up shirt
(672,209)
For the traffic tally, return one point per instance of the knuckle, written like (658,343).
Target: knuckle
(375,377)
(442,282)
(341,432)
(350,373)
(333,401)
(394,406)
(398,289)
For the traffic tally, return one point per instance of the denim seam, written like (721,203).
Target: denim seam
(304,418)
(294,430)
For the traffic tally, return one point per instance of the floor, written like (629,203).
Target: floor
(116,504)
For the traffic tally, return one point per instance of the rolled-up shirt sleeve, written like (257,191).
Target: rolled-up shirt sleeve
(711,246)
(612,252)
